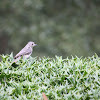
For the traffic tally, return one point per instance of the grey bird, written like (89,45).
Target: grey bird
(25,52)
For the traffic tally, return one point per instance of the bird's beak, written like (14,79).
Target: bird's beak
(35,44)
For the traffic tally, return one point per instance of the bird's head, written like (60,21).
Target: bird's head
(31,44)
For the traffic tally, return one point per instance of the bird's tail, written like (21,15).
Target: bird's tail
(15,60)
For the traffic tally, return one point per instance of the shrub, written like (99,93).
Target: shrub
(60,79)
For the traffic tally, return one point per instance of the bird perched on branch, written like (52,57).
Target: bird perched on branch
(25,52)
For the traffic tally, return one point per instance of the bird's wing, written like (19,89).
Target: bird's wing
(24,51)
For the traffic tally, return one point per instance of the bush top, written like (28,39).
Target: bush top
(60,79)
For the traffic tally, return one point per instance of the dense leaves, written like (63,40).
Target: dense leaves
(60,79)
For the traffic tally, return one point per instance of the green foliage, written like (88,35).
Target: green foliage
(60,79)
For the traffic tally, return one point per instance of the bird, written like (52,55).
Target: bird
(25,52)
